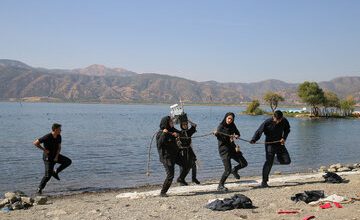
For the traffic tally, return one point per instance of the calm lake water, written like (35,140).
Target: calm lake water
(108,144)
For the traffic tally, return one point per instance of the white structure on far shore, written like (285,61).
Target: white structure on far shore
(303,110)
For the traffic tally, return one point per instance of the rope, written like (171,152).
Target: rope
(228,135)
(149,154)
(199,136)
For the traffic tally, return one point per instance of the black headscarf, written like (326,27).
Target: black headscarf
(164,124)
(223,122)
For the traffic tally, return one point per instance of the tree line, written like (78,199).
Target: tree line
(322,103)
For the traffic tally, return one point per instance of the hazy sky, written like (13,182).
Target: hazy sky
(226,41)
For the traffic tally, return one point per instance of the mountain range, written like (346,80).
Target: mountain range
(98,83)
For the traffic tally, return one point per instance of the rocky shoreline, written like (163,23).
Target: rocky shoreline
(340,168)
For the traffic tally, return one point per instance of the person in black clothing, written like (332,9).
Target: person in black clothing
(186,154)
(167,138)
(51,148)
(275,129)
(226,133)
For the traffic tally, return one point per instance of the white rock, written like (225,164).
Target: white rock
(4,202)
(332,170)
(27,200)
(321,169)
(350,166)
(40,200)
(17,205)
(20,193)
(336,166)
(344,169)
(11,196)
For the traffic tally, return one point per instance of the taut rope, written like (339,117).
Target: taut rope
(200,136)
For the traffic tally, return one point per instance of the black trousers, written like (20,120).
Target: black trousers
(226,159)
(170,172)
(282,155)
(49,168)
(169,166)
(187,159)
(194,170)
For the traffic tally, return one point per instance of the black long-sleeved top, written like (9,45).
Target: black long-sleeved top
(226,146)
(273,131)
(186,142)
(166,142)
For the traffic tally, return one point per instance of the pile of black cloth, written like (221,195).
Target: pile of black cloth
(308,196)
(331,177)
(238,201)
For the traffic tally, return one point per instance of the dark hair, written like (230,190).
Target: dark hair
(55,126)
(278,114)
(164,123)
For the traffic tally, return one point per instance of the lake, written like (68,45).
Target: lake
(108,144)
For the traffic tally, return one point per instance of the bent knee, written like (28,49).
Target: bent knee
(286,162)
(244,164)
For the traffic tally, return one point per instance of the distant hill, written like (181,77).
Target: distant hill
(98,83)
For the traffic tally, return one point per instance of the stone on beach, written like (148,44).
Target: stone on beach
(332,170)
(12,197)
(15,201)
(336,166)
(344,169)
(17,205)
(20,193)
(4,202)
(27,200)
(40,200)
(323,169)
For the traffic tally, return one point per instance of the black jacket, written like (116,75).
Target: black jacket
(166,142)
(226,146)
(273,131)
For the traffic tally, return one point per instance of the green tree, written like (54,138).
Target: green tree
(331,100)
(312,94)
(253,108)
(273,100)
(347,106)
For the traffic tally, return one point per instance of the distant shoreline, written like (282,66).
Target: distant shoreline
(139,103)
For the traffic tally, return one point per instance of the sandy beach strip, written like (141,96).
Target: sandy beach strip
(187,202)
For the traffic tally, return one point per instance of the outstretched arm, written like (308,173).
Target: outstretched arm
(258,133)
